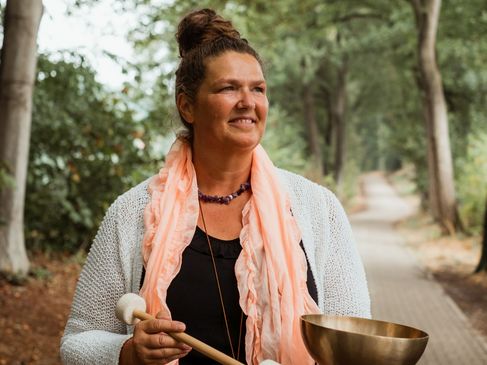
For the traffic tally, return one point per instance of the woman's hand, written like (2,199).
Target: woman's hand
(152,345)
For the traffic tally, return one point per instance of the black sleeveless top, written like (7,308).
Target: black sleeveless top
(193,298)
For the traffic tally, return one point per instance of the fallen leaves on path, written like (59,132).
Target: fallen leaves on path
(33,315)
(452,261)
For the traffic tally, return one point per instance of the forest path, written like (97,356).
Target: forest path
(401,291)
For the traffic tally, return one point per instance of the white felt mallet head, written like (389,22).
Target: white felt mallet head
(126,306)
(269,362)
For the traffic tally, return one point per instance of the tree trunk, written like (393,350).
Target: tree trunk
(339,104)
(329,127)
(482,266)
(329,133)
(17,76)
(312,129)
(441,172)
(433,203)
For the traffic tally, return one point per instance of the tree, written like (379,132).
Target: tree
(482,266)
(312,127)
(345,78)
(337,108)
(17,74)
(440,165)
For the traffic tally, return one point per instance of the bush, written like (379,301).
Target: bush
(472,183)
(86,149)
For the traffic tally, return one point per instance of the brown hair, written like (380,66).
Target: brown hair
(203,34)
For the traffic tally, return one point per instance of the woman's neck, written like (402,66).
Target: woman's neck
(221,173)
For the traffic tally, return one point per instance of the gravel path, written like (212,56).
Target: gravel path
(401,291)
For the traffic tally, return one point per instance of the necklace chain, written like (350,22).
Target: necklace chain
(220,294)
(224,199)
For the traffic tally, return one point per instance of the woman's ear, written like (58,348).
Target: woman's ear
(185,107)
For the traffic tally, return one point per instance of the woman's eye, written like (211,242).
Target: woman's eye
(260,89)
(227,88)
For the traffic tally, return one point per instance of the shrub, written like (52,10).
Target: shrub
(472,183)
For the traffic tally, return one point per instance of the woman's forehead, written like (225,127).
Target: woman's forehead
(233,66)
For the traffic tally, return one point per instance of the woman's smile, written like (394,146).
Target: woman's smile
(243,122)
(231,106)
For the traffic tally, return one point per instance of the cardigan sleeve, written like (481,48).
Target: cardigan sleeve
(93,335)
(344,282)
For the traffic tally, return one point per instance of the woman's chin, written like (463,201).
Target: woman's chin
(245,138)
(229,143)
(245,143)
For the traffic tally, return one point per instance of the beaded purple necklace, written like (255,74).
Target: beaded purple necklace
(224,199)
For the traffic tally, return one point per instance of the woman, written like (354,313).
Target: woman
(220,239)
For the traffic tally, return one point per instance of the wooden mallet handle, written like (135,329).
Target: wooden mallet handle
(126,304)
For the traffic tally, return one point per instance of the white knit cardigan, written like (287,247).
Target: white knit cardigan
(93,335)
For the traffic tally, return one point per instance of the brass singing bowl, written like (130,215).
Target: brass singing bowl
(332,340)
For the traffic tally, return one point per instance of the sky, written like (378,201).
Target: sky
(91,32)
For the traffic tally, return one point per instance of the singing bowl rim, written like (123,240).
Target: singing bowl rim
(424,335)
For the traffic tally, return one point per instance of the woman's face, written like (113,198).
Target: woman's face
(231,105)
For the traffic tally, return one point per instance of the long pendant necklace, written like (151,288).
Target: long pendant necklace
(221,295)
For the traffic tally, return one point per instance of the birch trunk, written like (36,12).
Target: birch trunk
(433,203)
(442,184)
(17,75)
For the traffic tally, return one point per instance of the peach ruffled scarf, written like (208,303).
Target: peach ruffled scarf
(271,270)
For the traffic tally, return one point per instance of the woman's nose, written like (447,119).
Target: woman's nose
(246,100)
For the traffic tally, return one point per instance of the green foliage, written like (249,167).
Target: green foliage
(282,142)
(86,149)
(304,44)
(41,273)
(472,183)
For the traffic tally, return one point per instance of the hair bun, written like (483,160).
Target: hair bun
(200,27)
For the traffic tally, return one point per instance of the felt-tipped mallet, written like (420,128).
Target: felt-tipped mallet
(131,307)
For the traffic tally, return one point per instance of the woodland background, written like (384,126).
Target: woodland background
(347,95)
(354,86)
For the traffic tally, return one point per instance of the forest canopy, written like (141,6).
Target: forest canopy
(344,89)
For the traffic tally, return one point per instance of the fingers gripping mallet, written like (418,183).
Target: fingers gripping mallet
(131,308)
